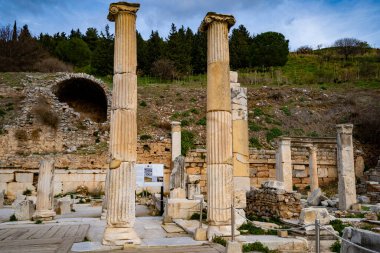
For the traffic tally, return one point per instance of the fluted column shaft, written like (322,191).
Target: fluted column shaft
(284,171)
(45,191)
(219,121)
(313,168)
(123,129)
(176,139)
(346,171)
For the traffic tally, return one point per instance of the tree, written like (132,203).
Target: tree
(199,53)
(350,47)
(91,38)
(240,42)
(155,49)
(74,51)
(141,53)
(304,50)
(102,56)
(269,49)
(164,69)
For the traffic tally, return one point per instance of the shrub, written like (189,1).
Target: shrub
(27,192)
(165,69)
(13,218)
(335,247)
(2,112)
(36,134)
(255,143)
(202,121)
(273,133)
(253,230)
(220,240)
(194,111)
(254,127)
(196,216)
(44,114)
(21,135)
(285,110)
(338,225)
(38,222)
(257,112)
(185,122)
(256,246)
(143,104)
(145,137)
(187,141)
(50,65)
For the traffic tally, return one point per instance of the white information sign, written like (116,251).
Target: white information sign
(149,175)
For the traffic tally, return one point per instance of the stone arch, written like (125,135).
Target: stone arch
(84,94)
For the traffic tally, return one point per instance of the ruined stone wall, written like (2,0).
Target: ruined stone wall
(269,202)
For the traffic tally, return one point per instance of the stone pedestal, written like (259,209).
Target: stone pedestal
(346,170)
(123,129)
(313,168)
(284,163)
(176,139)
(219,123)
(45,191)
(24,210)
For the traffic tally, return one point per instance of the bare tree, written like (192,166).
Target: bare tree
(351,46)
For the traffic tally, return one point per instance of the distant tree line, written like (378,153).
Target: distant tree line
(182,53)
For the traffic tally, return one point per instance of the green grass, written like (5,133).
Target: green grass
(338,225)
(145,137)
(202,121)
(273,133)
(256,246)
(253,230)
(255,143)
(220,240)
(335,247)
(286,110)
(254,127)
(187,141)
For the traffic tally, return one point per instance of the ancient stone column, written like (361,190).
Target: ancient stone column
(219,123)
(123,131)
(176,139)
(345,163)
(45,191)
(240,144)
(284,163)
(104,204)
(313,168)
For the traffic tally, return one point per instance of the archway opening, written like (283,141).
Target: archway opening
(84,96)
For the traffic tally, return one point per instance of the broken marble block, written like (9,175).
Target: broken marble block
(24,210)
(314,198)
(310,214)
(63,206)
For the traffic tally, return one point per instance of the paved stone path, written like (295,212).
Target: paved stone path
(41,238)
(208,248)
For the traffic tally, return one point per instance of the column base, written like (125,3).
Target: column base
(44,215)
(125,237)
(224,231)
(104,215)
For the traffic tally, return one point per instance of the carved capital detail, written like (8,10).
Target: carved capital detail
(215,17)
(117,8)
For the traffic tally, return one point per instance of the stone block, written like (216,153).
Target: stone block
(322,172)
(24,210)
(240,199)
(6,177)
(282,233)
(1,199)
(63,206)
(273,184)
(22,177)
(178,193)
(310,214)
(359,167)
(299,167)
(200,234)
(332,172)
(192,190)
(3,187)
(233,76)
(242,183)
(314,198)
(16,188)
(300,173)
(181,208)
(233,247)
(193,179)
(368,239)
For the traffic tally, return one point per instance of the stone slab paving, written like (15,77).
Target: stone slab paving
(207,248)
(41,238)
(274,242)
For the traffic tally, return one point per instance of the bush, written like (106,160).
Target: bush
(273,133)
(253,230)
(255,143)
(185,122)
(27,192)
(38,222)
(335,247)
(145,137)
(165,69)
(187,141)
(257,112)
(13,218)
(143,104)
(44,113)
(50,65)
(220,240)
(202,121)
(21,135)
(254,127)
(338,225)
(285,110)
(256,246)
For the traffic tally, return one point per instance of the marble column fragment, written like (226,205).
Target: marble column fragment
(313,168)
(346,170)
(45,191)
(219,123)
(123,130)
(284,163)
(176,139)
(240,143)
(104,204)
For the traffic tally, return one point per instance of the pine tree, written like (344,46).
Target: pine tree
(240,42)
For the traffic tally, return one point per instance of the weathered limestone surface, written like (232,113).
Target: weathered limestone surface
(123,129)
(193,186)
(178,177)
(1,198)
(240,145)
(219,122)
(346,171)
(45,191)
(365,238)
(176,139)
(313,168)
(310,214)
(284,163)
(24,210)
(272,201)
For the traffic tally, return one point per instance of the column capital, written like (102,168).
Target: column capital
(116,8)
(176,126)
(344,128)
(216,17)
(284,140)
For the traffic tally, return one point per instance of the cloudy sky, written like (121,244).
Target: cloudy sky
(303,22)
